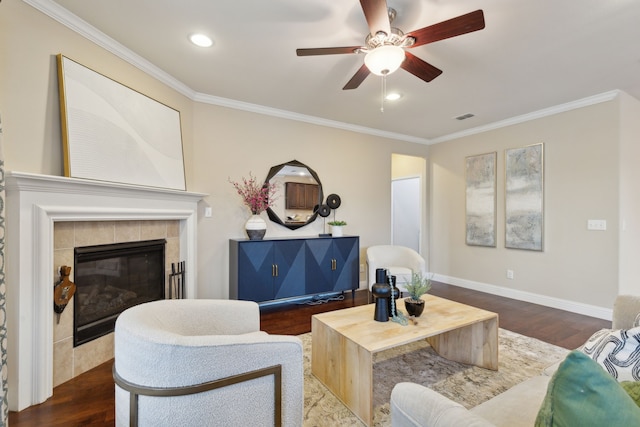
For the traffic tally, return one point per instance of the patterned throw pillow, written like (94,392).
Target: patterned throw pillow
(637,321)
(618,352)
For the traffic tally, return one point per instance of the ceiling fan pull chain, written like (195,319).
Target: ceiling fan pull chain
(383,94)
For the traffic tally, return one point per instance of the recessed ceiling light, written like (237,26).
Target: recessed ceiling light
(393,96)
(201,40)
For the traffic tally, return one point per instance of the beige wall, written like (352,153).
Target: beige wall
(583,149)
(218,142)
(232,143)
(403,166)
(29,43)
(581,156)
(629,195)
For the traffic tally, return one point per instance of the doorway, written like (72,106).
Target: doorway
(405,212)
(407,201)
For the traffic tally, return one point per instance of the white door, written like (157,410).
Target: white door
(405,212)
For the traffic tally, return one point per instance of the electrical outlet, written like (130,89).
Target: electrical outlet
(361,268)
(509,274)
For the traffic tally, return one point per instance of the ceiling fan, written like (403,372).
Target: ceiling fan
(385,45)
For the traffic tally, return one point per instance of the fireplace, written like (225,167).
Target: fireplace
(34,203)
(110,279)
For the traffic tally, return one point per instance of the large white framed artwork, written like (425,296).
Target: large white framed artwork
(113,133)
(524,197)
(480,205)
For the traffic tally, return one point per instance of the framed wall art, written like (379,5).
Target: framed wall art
(113,133)
(480,206)
(524,197)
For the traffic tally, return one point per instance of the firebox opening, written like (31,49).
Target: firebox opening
(111,278)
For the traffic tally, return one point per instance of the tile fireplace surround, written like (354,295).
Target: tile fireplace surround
(33,204)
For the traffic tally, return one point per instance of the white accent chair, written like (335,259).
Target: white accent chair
(399,261)
(196,362)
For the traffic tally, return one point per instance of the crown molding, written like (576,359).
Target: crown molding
(580,103)
(284,114)
(83,28)
(91,33)
(86,30)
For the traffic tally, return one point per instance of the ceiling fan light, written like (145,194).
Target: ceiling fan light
(384,60)
(393,96)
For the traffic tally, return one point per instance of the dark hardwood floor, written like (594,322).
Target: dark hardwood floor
(88,400)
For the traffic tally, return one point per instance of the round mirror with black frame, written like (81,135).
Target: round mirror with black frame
(300,194)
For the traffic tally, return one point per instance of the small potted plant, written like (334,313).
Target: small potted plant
(336,228)
(419,286)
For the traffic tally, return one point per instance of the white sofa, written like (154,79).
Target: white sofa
(413,405)
(164,348)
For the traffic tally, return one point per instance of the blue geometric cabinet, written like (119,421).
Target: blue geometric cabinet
(331,265)
(265,270)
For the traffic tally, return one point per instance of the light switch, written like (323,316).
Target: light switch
(597,224)
(208,212)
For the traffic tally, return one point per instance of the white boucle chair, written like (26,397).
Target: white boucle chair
(242,376)
(399,261)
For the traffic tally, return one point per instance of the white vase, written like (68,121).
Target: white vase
(256,227)
(336,230)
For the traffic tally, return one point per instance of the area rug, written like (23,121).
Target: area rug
(520,358)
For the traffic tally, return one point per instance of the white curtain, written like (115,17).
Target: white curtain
(4,410)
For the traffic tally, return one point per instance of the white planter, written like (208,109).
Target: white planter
(336,230)
(256,227)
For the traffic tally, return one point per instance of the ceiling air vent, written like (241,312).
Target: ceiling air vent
(465,116)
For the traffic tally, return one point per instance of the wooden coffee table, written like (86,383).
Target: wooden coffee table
(344,342)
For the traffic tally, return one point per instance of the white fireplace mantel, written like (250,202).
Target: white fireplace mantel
(33,203)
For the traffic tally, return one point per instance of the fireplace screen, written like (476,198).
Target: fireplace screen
(112,278)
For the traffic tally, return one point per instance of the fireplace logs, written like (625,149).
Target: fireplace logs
(112,278)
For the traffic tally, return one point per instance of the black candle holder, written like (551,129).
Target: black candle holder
(382,293)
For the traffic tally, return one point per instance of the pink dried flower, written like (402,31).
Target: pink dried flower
(255,195)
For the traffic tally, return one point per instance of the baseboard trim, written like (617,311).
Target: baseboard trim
(561,304)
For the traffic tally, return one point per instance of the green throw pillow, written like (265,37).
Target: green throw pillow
(581,393)
(633,390)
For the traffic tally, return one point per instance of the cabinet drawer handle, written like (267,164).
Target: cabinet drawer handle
(276,270)
(333,264)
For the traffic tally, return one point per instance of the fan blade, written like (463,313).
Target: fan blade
(463,24)
(328,50)
(419,68)
(357,78)
(377,15)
